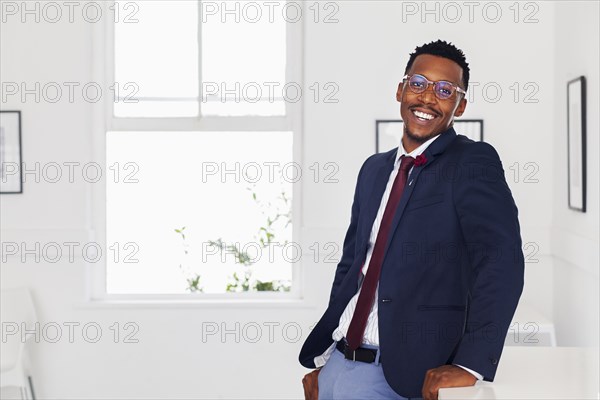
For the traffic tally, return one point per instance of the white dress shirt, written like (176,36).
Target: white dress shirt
(371,334)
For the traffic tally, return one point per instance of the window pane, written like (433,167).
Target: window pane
(159,54)
(232,186)
(243,58)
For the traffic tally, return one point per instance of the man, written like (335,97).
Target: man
(432,266)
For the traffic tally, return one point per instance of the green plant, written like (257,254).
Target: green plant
(241,257)
(272,286)
(275,214)
(192,279)
(239,284)
(280,212)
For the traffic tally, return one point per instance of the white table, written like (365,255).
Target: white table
(538,373)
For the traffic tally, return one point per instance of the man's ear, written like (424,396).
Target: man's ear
(399,93)
(462,105)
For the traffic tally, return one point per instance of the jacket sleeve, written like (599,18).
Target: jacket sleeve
(349,249)
(489,222)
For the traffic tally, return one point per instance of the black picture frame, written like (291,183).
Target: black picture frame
(10,152)
(388,132)
(576,143)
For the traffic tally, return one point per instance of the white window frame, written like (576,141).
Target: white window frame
(103,121)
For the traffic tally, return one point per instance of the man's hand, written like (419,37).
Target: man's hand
(311,385)
(446,376)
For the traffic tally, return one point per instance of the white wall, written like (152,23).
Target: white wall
(365,54)
(575,235)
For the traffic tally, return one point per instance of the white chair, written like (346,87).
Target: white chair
(19,321)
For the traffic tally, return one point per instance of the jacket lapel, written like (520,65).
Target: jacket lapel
(435,149)
(379,184)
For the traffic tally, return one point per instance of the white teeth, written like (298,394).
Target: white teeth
(423,115)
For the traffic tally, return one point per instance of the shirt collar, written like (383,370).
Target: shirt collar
(401,151)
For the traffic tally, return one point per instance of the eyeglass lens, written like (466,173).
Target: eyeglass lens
(442,89)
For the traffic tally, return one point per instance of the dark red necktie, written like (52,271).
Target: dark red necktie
(369,285)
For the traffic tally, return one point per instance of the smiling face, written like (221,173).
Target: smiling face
(424,115)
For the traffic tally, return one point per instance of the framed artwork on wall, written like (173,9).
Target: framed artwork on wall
(389,132)
(576,143)
(10,152)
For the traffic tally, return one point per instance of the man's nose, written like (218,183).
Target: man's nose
(428,96)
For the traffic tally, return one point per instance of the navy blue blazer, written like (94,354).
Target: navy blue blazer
(453,268)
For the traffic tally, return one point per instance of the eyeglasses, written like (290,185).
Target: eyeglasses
(442,89)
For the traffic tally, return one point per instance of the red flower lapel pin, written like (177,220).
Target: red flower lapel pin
(420,160)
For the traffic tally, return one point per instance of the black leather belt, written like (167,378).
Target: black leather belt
(361,354)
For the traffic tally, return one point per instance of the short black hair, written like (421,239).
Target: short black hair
(444,49)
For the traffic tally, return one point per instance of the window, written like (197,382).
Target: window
(156,60)
(200,152)
(231,64)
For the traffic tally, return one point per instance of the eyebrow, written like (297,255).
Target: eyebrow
(437,80)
